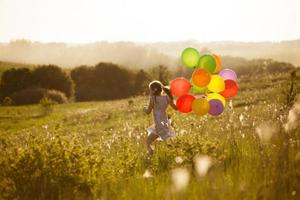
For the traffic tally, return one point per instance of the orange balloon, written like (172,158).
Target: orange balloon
(218,63)
(201,77)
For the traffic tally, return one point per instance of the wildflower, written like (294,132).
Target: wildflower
(293,117)
(202,164)
(147,174)
(265,131)
(180,179)
(178,159)
(241,117)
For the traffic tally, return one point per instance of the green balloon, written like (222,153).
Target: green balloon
(208,62)
(196,89)
(190,57)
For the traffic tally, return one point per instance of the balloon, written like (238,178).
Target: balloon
(200,106)
(200,77)
(200,96)
(215,107)
(184,103)
(190,57)
(196,89)
(216,84)
(218,63)
(180,86)
(231,89)
(216,96)
(207,62)
(228,74)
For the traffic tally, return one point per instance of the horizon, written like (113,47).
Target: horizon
(81,22)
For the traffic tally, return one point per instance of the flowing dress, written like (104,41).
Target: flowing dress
(162,126)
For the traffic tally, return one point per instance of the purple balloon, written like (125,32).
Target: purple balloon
(216,107)
(228,74)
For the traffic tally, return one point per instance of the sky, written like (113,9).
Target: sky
(82,21)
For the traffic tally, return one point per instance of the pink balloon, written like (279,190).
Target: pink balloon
(228,74)
(180,86)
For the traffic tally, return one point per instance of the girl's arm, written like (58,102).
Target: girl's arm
(171,103)
(148,109)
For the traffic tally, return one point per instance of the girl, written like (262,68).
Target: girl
(159,102)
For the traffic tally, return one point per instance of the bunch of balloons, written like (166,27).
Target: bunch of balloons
(209,86)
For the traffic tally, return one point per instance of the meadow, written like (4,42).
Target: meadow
(96,150)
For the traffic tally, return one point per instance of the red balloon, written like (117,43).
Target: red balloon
(184,103)
(180,86)
(231,89)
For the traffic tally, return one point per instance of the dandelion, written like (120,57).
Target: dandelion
(147,174)
(45,126)
(202,164)
(180,179)
(241,117)
(178,159)
(293,117)
(265,131)
(230,104)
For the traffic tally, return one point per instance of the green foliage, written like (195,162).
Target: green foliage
(96,150)
(35,95)
(101,82)
(15,82)
(53,77)
(7,101)
(46,105)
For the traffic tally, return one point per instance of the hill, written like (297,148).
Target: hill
(141,55)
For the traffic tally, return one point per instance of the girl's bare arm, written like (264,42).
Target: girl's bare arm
(173,105)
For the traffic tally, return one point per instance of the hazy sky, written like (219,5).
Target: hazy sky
(80,21)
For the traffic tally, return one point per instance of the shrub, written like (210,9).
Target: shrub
(14,80)
(35,95)
(103,82)
(56,96)
(7,101)
(53,77)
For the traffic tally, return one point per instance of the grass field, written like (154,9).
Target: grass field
(96,150)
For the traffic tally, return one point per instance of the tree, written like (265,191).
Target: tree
(161,73)
(53,77)
(14,80)
(141,82)
(102,82)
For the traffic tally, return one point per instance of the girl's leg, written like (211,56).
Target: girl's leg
(150,139)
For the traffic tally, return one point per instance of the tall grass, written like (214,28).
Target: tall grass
(97,150)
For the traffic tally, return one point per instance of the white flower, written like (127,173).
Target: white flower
(147,174)
(241,118)
(180,179)
(293,117)
(178,159)
(265,131)
(202,164)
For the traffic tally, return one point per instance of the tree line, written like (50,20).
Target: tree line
(104,81)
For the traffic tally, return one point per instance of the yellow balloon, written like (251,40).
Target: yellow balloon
(216,96)
(200,106)
(216,84)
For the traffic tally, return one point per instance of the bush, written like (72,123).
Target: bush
(53,77)
(35,95)
(56,96)
(14,80)
(7,101)
(103,82)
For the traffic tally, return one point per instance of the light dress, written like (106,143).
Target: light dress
(162,126)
